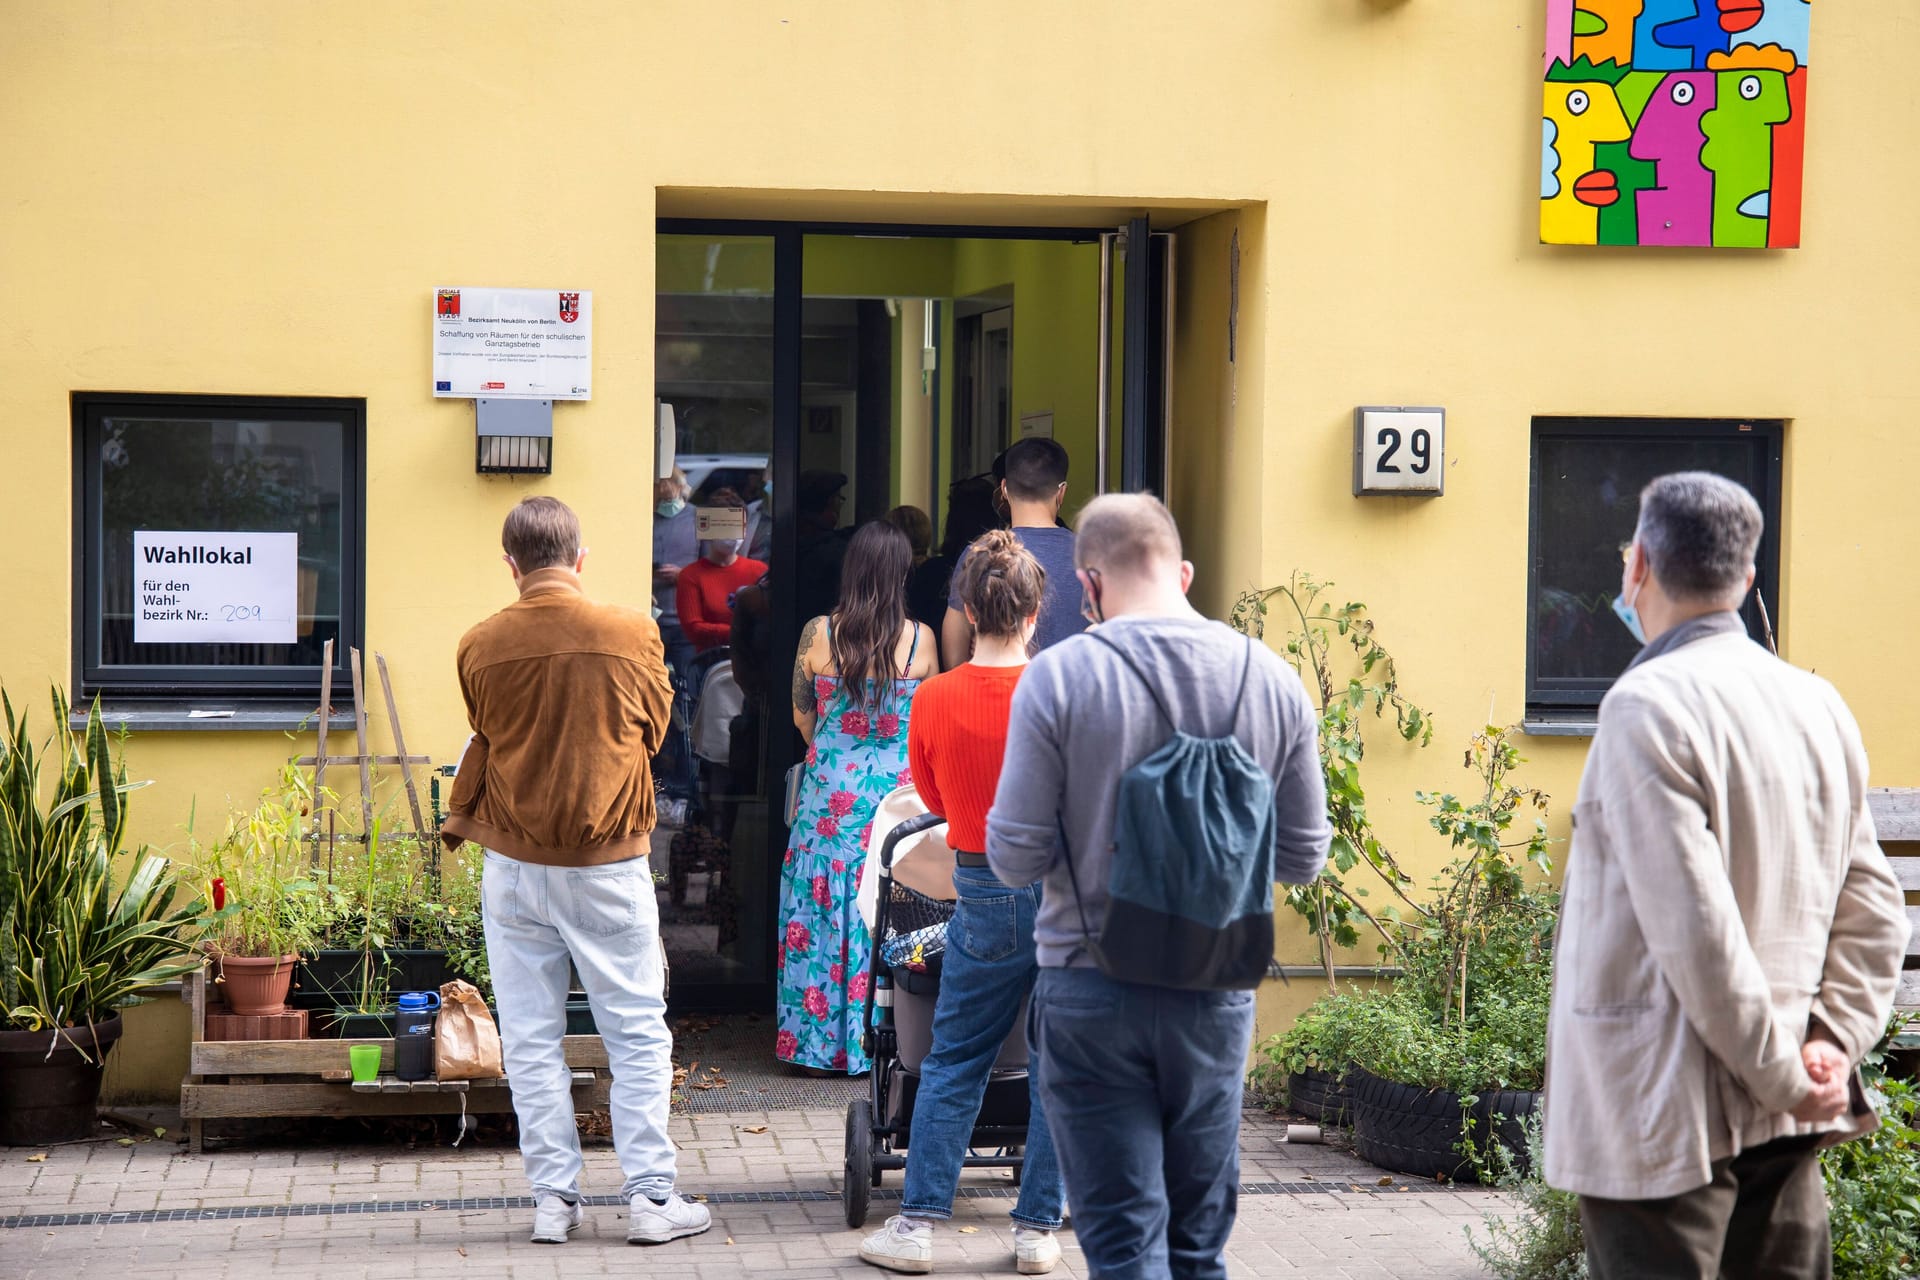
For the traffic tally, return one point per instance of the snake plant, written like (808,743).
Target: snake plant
(85,924)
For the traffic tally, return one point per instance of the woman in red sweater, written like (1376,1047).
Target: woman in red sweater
(956,737)
(705,590)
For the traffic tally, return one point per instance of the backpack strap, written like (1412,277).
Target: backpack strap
(1066,856)
(1159,703)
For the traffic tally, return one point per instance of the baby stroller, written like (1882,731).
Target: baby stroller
(907,894)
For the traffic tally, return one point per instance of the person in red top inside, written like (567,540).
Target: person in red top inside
(956,737)
(705,590)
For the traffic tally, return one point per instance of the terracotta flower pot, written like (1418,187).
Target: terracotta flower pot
(257,984)
(50,1097)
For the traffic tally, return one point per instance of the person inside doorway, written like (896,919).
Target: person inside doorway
(706,587)
(970,513)
(820,542)
(1034,488)
(853,686)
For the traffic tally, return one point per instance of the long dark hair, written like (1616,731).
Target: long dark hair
(970,513)
(872,609)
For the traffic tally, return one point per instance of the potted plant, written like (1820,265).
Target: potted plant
(74,948)
(274,908)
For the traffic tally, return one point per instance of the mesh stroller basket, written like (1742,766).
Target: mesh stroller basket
(916,931)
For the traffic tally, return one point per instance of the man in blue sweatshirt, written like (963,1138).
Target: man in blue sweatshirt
(1141,1083)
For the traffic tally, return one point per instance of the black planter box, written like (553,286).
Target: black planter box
(1419,1131)
(330,976)
(345,1024)
(1320,1095)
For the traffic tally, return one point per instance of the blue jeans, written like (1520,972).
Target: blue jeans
(1142,1086)
(988,970)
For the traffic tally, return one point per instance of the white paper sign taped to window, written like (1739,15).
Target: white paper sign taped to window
(215,588)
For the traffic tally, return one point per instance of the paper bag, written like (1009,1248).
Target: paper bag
(466,1044)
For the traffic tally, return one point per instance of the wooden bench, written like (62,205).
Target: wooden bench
(1896,815)
(242,1079)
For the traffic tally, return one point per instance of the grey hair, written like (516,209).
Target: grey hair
(1700,532)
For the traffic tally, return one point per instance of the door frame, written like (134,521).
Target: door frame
(1143,429)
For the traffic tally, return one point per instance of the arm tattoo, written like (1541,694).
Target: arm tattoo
(803,699)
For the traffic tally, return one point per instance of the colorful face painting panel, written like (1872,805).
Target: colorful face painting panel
(1674,122)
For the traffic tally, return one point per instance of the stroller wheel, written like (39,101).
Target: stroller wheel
(859,1172)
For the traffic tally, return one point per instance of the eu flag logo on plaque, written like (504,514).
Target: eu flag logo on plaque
(450,303)
(569,307)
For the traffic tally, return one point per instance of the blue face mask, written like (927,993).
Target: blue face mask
(1630,617)
(671,507)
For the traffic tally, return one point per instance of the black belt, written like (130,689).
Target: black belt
(961,858)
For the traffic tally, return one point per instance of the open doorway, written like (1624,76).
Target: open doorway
(820,378)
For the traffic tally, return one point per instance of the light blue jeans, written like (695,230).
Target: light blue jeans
(988,970)
(607,921)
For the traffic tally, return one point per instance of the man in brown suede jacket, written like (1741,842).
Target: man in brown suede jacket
(569,700)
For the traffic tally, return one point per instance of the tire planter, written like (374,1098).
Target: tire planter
(257,984)
(1418,1131)
(52,1099)
(332,975)
(1320,1095)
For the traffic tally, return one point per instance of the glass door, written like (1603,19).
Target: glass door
(715,849)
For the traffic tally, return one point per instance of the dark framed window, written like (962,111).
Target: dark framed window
(1587,477)
(210,465)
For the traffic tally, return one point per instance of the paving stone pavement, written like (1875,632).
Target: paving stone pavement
(744,1159)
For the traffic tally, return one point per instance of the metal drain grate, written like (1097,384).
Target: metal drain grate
(739,1051)
(367,1207)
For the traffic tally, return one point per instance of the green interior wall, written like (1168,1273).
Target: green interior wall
(1054,287)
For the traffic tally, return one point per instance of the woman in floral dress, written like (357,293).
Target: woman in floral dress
(853,683)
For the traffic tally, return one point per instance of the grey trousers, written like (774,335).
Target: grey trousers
(1763,1215)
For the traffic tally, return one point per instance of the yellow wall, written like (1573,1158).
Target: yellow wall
(222,196)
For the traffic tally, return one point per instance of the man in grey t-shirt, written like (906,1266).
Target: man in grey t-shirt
(1034,486)
(1141,1084)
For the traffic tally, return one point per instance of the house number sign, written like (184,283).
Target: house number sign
(1399,452)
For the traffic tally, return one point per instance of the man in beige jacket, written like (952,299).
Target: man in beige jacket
(1730,935)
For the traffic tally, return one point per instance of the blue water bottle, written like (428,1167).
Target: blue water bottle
(413,1035)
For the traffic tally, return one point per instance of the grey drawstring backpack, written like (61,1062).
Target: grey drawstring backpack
(1190,898)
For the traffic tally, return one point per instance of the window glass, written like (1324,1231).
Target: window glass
(166,468)
(1587,480)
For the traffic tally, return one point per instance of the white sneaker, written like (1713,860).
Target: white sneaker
(650,1223)
(1035,1252)
(904,1244)
(553,1218)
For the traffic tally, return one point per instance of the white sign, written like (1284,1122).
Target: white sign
(1037,425)
(522,344)
(719,523)
(1399,451)
(215,588)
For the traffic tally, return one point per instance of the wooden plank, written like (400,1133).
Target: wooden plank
(400,744)
(311,1057)
(1913,931)
(228,1101)
(360,741)
(319,759)
(389,1084)
(1907,872)
(1907,994)
(1896,812)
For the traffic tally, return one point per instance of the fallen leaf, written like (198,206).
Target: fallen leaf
(38,1157)
(460,1249)
(160,1132)
(969,1231)
(1403,1187)
(729,1239)
(125,1142)
(700,1198)
(755,1128)
(1386,1182)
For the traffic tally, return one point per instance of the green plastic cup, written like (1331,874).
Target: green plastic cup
(366,1061)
